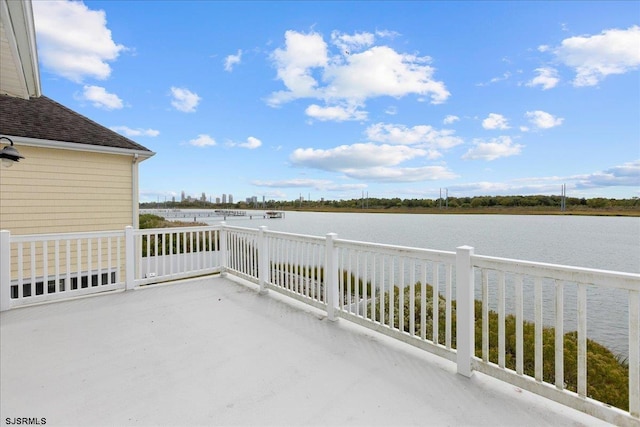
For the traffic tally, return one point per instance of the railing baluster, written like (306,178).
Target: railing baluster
(423,302)
(634,353)
(559,337)
(99,272)
(448,297)
(392,297)
(89,262)
(110,267)
(485,315)
(519,327)
(435,277)
(357,282)
(501,319)
(45,267)
(412,297)
(20,271)
(582,340)
(32,257)
(364,284)
(538,330)
(382,287)
(56,248)
(67,285)
(401,294)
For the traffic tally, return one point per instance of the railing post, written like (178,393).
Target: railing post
(465,311)
(263,260)
(223,249)
(5,269)
(331,277)
(634,353)
(130,258)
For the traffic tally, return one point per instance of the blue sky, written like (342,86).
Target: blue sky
(333,99)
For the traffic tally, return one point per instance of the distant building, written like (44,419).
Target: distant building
(230,198)
(218,200)
(203,198)
(224,199)
(182,196)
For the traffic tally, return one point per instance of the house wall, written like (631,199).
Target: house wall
(59,191)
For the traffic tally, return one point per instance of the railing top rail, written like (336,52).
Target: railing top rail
(144,231)
(395,249)
(295,236)
(237,228)
(23,238)
(604,278)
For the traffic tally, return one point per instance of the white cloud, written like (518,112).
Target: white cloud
(381,71)
(350,43)
(127,131)
(356,156)
(293,183)
(422,136)
(302,52)
(450,119)
(503,77)
(593,58)
(307,70)
(495,121)
(386,174)
(317,184)
(543,120)
(251,143)
(547,78)
(184,100)
(203,140)
(625,175)
(502,146)
(73,40)
(231,60)
(335,113)
(100,98)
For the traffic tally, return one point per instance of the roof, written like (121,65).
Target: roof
(212,351)
(43,118)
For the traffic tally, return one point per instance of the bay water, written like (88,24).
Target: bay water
(607,243)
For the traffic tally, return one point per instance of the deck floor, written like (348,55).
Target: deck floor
(214,352)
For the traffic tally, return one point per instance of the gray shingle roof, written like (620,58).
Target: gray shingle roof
(43,118)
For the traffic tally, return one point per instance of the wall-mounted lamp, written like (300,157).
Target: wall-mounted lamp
(9,155)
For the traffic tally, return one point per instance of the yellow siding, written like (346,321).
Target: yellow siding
(59,191)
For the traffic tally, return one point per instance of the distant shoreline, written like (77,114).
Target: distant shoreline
(480,211)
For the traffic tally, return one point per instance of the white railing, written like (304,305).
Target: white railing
(49,267)
(166,254)
(431,299)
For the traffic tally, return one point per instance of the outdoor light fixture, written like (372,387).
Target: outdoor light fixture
(9,155)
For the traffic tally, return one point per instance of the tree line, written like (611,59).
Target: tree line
(476,202)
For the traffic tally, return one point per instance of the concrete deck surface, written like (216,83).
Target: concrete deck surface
(214,352)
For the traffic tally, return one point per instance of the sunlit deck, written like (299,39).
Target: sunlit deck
(213,351)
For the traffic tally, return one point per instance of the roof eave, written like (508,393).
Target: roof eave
(19,28)
(64,145)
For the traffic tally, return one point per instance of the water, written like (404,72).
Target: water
(608,243)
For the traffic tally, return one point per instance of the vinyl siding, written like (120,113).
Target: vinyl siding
(59,191)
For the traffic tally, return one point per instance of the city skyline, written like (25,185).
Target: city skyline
(397,99)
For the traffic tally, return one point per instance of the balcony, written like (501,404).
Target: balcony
(226,325)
